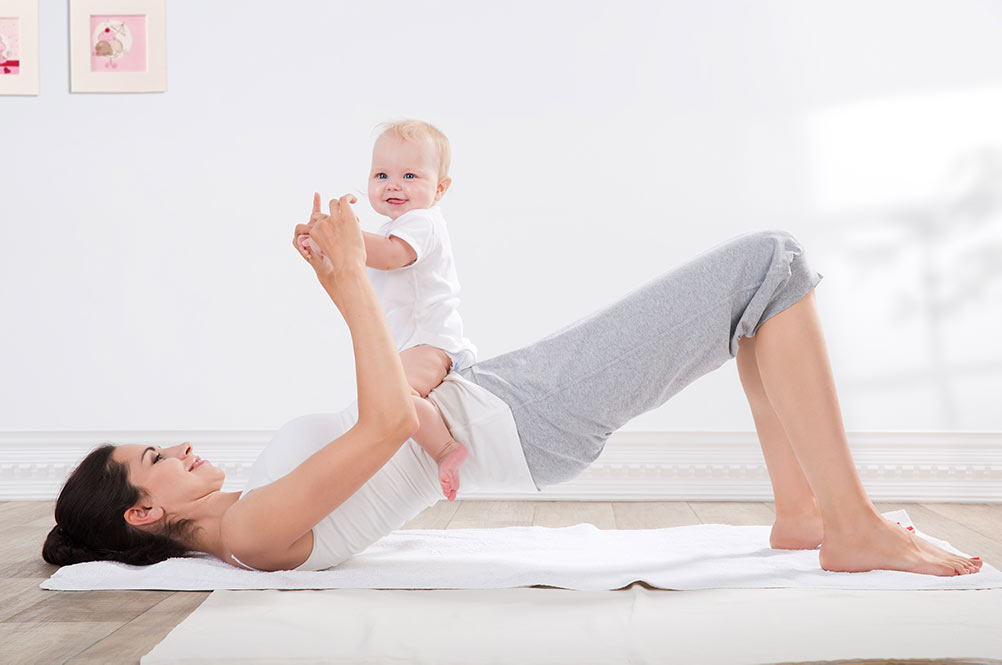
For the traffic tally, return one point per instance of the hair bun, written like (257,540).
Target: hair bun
(60,548)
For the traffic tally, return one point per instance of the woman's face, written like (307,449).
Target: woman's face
(171,477)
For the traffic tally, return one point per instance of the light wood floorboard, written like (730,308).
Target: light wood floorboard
(112,627)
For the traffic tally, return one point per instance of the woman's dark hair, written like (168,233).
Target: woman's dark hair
(90,519)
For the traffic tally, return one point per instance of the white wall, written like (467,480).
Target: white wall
(147,278)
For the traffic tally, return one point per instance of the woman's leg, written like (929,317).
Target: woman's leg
(570,391)
(798,521)
(793,365)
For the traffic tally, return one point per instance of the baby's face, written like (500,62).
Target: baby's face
(404,176)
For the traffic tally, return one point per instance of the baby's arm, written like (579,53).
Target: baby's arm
(387,253)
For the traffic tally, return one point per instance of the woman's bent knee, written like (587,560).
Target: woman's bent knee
(776,239)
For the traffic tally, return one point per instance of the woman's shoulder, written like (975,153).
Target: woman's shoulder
(245,528)
(244,546)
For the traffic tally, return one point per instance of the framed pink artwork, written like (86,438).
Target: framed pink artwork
(118,46)
(18,47)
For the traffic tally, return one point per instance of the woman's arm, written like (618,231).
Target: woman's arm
(262,527)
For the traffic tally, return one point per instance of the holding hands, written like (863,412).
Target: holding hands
(331,243)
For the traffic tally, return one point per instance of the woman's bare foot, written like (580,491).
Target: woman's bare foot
(879,544)
(449,461)
(801,531)
(931,549)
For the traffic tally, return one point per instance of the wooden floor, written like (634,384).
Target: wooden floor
(109,627)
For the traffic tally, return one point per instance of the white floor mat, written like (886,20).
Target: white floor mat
(543,626)
(582,557)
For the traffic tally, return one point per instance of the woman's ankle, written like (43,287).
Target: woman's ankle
(799,508)
(846,519)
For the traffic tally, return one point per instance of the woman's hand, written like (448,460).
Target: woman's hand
(337,235)
(301,237)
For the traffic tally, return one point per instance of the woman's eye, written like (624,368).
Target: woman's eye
(157,458)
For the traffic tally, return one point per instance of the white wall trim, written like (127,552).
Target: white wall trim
(636,466)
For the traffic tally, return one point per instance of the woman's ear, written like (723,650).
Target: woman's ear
(140,515)
(443,187)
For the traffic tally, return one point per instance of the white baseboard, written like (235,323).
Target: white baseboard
(636,466)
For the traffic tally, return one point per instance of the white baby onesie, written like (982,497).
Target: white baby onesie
(421,300)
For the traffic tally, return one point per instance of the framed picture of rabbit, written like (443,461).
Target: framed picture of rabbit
(118,46)
(18,47)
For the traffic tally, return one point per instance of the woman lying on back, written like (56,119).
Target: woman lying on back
(329,485)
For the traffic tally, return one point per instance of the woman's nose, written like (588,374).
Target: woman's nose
(181,450)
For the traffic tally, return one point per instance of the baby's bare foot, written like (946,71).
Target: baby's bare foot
(881,545)
(448,468)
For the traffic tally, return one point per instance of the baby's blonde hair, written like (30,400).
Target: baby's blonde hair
(409,129)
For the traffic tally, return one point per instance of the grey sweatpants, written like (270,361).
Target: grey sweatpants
(571,390)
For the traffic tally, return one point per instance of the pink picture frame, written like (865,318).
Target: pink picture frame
(118,46)
(19,47)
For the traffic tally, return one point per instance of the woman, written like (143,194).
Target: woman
(329,485)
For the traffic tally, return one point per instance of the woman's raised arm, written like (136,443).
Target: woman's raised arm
(382,386)
(263,526)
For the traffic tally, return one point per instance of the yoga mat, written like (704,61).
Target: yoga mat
(582,557)
(555,626)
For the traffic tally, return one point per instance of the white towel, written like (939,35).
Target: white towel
(708,556)
(557,627)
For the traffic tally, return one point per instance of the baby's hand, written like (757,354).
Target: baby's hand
(304,244)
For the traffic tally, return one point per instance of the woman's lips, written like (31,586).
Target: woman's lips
(197,464)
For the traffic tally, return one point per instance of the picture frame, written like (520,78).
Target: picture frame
(19,47)
(118,46)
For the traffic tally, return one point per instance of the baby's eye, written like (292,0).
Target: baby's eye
(409,175)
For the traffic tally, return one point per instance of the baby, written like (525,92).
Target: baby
(412,270)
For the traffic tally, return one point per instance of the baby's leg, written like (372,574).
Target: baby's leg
(437,441)
(425,367)
(433,435)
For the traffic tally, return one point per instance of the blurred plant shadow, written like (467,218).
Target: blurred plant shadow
(958,240)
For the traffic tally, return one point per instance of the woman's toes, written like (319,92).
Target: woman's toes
(956,570)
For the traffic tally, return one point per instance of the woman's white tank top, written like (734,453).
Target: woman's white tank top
(408,483)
